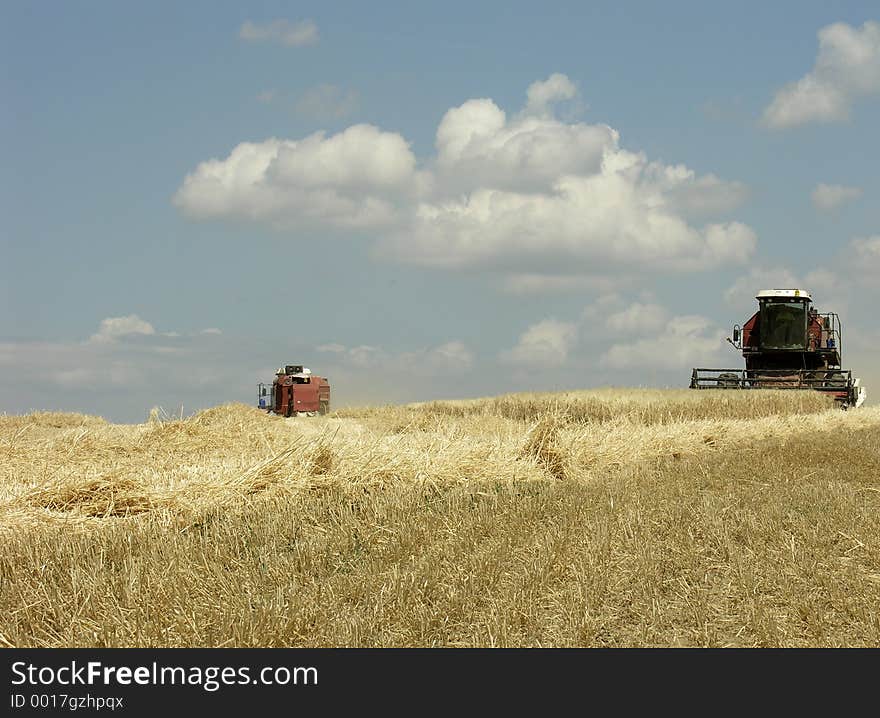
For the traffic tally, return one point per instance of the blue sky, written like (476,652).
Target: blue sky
(502,197)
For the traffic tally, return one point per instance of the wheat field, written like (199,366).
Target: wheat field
(595,518)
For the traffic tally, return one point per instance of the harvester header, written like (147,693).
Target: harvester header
(787,344)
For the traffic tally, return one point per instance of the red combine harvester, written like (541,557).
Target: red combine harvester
(787,344)
(295,390)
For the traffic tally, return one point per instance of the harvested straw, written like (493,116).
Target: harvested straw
(57,466)
(111,494)
(541,444)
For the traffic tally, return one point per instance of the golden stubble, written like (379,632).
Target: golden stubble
(612,517)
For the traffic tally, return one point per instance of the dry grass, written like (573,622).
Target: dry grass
(588,518)
(643,406)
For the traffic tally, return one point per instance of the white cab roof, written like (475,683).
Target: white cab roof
(792,293)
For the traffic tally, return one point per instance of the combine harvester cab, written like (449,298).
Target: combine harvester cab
(295,391)
(787,344)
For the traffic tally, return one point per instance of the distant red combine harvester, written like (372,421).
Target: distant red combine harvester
(787,344)
(294,391)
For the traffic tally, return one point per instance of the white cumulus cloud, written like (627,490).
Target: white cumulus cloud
(699,196)
(867,249)
(366,356)
(527,195)
(825,286)
(351,179)
(614,218)
(546,343)
(864,261)
(542,94)
(686,341)
(477,146)
(847,67)
(451,355)
(637,318)
(292,34)
(826,197)
(114,328)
